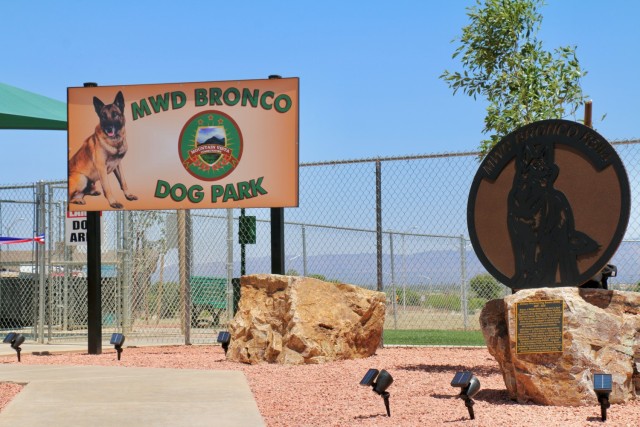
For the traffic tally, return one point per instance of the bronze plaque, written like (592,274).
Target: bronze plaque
(539,326)
(548,206)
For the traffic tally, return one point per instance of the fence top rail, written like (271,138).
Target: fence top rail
(18,186)
(625,142)
(30,202)
(391,158)
(425,156)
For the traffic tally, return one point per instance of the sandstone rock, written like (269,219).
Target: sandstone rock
(601,334)
(299,320)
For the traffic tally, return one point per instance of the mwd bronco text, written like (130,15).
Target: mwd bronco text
(267,100)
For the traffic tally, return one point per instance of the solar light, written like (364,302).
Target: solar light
(117,340)
(15,340)
(602,386)
(224,338)
(10,336)
(384,380)
(470,385)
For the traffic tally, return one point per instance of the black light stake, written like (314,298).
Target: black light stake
(384,380)
(602,385)
(16,341)
(470,386)
(224,338)
(117,340)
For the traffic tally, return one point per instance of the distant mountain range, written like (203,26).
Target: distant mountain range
(440,268)
(214,140)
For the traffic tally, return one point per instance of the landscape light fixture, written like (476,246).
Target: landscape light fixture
(15,340)
(384,380)
(602,386)
(117,340)
(470,385)
(224,338)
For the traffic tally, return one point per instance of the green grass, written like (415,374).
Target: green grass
(451,302)
(438,300)
(432,337)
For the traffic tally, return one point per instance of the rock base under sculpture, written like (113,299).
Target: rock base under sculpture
(300,320)
(601,333)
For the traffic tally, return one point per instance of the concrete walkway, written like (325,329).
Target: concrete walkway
(95,396)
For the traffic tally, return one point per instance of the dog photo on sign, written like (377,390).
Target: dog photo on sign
(101,154)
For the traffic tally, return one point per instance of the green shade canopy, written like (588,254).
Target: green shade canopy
(20,109)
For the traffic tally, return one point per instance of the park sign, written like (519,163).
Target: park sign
(75,228)
(549,206)
(230,144)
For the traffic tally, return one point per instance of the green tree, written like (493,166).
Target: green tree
(504,62)
(485,286)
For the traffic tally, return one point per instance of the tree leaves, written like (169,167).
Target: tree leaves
(503,61)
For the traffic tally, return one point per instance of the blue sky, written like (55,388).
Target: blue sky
(368,71)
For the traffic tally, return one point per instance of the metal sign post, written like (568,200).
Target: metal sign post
(94,279)
(277,240)
(277,233)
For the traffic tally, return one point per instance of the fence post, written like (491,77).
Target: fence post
(126,272)
(119,266)
(380,286)
(182,268)
(49,245)
(304,251)
(40,229)
(189,264)
(229,265)
(68,267)
(243,246)
(393,284)
(463,282)
(404,276)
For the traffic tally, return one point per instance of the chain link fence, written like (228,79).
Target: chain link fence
(392,224)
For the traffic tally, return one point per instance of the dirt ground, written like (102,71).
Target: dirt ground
(330,394)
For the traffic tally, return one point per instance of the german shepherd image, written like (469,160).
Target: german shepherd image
(541,223)
(101,154)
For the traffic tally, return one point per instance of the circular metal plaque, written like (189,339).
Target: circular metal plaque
(548,206)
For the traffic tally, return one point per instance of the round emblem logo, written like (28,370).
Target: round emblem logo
(548,206)
(210,145)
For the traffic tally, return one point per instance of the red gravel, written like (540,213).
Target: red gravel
(7,392)
(329,394)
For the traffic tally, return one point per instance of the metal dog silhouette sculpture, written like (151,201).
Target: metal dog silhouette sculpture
(541,223)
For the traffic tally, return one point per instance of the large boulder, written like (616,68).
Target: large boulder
(299,320)
(601,334)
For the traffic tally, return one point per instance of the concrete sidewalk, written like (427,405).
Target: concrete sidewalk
(95,396)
